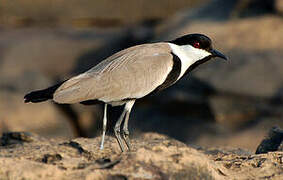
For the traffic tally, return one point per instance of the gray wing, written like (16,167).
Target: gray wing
(131,73)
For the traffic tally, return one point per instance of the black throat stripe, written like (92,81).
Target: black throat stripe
(173,75)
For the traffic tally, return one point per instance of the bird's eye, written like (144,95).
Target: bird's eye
(196,45)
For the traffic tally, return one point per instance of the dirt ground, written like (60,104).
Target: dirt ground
(155,156)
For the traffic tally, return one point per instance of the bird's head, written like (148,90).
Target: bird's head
(198,47)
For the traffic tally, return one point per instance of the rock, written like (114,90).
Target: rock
(51,158)
(14,138)
(154,157)
(234,112)
(272,142)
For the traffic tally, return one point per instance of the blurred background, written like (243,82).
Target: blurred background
(231,104)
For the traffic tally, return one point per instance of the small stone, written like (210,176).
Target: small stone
(15,138)
(271,142)
(117,177)
(51,158)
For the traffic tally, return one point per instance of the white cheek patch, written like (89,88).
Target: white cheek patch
(188,55)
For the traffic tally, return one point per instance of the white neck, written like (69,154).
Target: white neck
(188,55)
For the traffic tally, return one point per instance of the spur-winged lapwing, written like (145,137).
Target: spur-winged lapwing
(131,74)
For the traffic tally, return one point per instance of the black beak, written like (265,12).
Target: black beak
(216,53)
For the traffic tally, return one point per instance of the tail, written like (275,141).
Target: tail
(41,95)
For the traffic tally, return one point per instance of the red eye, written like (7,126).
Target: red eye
(196,45)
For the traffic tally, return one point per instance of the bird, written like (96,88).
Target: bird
(129,75)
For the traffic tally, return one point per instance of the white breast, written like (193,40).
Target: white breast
(188,55)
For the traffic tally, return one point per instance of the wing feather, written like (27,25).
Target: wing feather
(131,73)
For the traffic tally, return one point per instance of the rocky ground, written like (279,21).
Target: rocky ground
(155,156)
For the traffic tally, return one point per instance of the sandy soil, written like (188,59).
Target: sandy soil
(155,156)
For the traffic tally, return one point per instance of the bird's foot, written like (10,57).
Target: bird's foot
(125,135)
(119,139)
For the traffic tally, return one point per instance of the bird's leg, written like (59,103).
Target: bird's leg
(117,130)
(104,126)
(125,132)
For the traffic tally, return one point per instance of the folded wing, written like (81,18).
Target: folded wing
(131,73)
